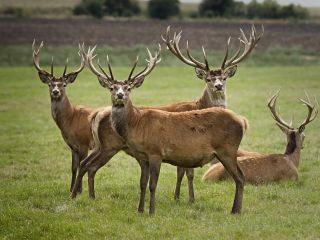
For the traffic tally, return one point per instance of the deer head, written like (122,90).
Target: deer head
(56,84)
(214,78)
(293,134)
(120,90)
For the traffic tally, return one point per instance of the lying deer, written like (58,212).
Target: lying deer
(213,95)
(188,139)
(71,120)
(272,167)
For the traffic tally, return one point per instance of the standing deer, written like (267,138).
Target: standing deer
(273,167)
(71,120)
(213,95)
(188,139)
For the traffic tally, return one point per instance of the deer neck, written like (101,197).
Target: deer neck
(122,117)
(62,111)
(293,151)
(211,98)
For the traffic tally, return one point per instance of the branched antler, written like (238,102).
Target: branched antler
(173,46)
(248,46)
(272,106)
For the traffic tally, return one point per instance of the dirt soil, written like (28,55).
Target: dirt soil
(117,33)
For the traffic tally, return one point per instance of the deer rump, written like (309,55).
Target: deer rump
(188,139)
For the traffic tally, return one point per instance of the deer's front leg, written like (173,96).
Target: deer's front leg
(144,178)
(74,167)
(154,168)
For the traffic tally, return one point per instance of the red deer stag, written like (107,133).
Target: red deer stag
(188,139)
(214,94)
(273,167)
(72,120)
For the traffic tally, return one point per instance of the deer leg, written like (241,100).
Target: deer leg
(155,165)
(74,167)
(232,167)
(82,170)
(144,178)
(92,170)
(81,157)
(190,176)
(180,174)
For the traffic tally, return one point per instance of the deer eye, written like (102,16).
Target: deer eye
(64,84)
(111,88)
(49,84)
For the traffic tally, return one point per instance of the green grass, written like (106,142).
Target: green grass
(35,165)
(21,55)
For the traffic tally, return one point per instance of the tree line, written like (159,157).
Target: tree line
(163,9)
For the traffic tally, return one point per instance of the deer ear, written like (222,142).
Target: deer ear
(103,82)
(200,73)
(44,77)
(231,71)
(137,82)
(70,78)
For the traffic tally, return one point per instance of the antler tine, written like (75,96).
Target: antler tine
(101,68)
(133,68)
(192,62)
(173,46)
(249,45)
(237,53)
(271,104)
(312,111)
(52,66)
(152,62)
(168,41)
(65,67)
(227,53)
(205,58)
(35,56)
(193,59)
(110,70)
(82,63)
(90,57)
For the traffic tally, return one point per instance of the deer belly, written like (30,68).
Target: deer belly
(187,159)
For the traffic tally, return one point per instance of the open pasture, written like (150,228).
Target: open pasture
(35,164)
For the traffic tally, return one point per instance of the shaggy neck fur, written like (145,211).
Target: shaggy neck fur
(61,110)
(121,117)
(211,98)
(292,150)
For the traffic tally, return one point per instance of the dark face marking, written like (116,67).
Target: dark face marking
(120,92)
(57,87)
(216,80)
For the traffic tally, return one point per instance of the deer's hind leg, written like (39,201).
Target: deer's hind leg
(231,165)
(190,176)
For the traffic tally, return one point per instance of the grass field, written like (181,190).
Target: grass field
(35,165)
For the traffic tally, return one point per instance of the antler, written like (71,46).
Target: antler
(248,46)
(152,61)
(104,75)
(35,57)
(312,112)
(271,104)
(173,46)
(82,63)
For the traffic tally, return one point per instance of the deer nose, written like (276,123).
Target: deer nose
(218,86)
(120,95)
(55,91)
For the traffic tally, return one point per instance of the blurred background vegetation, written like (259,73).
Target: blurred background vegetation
(162,9)
(126,27)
